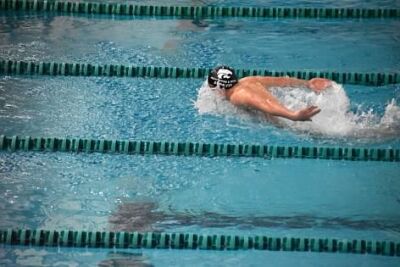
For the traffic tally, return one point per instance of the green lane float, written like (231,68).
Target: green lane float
(195,11)
(152,240)
(77,145)
(14,67)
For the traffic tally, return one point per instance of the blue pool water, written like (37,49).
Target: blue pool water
(284,44)
(243,196)
(149,109)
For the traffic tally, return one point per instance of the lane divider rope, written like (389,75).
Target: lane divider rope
(195,11)
(51,144)
(13,67)
(151,240)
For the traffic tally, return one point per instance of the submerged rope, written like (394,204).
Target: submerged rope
(150,240)
(13,67)
(16,143)
(195,12)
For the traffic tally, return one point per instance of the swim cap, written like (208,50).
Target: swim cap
(222,77)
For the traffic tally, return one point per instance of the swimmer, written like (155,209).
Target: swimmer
(251,92)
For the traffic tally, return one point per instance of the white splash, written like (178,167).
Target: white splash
(335,119)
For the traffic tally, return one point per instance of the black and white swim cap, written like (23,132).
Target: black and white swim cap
(222,77)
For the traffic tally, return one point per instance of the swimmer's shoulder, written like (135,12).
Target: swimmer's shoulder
(248,80)
(250,84)
(240,92)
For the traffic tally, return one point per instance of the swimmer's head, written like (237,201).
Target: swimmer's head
(222,77)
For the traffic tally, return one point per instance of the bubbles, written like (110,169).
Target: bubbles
(29,51)
(213,101)
(336,119)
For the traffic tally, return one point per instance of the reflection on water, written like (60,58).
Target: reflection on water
(241,42)
(121,259)
(144,216)
(124,192)
(72,257)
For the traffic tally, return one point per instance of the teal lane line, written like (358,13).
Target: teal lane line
(195,11)
(77,145)
(192,241)
(13,67)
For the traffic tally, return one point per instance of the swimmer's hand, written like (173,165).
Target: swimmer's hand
(318,84)
(306,114)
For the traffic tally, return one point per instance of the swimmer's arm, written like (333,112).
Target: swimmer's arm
(281,81)
(275,108)
(315,84)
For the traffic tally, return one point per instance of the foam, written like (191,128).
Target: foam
(336,120)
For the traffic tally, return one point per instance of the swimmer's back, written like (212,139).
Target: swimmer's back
(248,89)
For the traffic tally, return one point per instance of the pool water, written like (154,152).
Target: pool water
(243,196)
(344,45)
(148,109)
